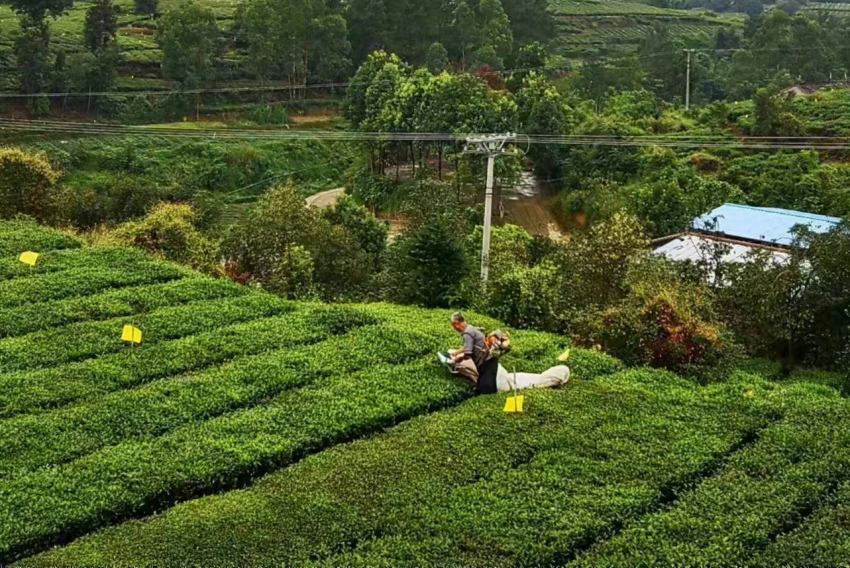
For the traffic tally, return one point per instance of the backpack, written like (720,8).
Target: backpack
(498,344)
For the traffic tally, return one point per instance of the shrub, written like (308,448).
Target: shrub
(40,316)
(821,540)
(82,281)
(41,389)
(837,380)
(763,489)
(27,184)
(170,230)
(215,454)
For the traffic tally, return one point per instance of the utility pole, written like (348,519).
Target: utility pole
(688,81)
(490,146)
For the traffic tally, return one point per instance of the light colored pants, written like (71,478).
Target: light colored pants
(554,377)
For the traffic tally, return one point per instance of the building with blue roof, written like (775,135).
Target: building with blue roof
(764,225)
(743,229)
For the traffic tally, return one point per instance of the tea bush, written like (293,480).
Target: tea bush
(87,339)
(39,316)
(24,234)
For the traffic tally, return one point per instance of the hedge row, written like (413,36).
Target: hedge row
(33,391)
(82,340)
(533,351)
(113,303)
(18,236)
(82,282)
(837,380)
(30,442)
(627,462)
(59,260)
(135,478)
(33,441)
(763,491)
(823,541)
(485,473)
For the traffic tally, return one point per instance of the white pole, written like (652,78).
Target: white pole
(688,82)
(488,218)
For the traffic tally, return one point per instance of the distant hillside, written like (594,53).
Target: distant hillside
(587,27)
(616,27)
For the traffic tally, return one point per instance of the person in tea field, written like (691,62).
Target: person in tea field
(478,361)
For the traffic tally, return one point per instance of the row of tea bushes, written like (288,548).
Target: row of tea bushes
(499,489)
(21,235)
(39,316)
(88,339)
(758,494)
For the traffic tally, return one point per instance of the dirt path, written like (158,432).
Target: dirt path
(326,199)
(525,206)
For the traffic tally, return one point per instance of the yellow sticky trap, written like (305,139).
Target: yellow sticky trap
(131,334)
(29,258)
(513,405)
(565,356)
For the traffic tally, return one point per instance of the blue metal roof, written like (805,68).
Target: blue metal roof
(761,224)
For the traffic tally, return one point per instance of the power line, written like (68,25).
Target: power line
(669,141)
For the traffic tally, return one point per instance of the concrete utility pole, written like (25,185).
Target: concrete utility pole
(491,146)
(689,52)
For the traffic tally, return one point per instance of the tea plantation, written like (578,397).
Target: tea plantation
(247,430)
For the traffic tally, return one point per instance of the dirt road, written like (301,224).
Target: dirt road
(326,199)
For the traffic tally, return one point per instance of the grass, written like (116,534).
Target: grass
(249,430)
(235,171)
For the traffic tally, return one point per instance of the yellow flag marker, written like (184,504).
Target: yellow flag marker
(514,404)
(29,258)
(132,335)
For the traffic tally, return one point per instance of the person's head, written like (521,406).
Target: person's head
(458,322)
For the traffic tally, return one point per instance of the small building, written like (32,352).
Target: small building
(743,229)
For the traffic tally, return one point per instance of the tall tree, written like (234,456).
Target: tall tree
(542,110)
(295,39)
(438,58)
(145,7)
(32,46)
(38,9)
(32,51)
(497,35)
(101,25)
(531,20)
(189,38)
(465,29)
(355,106)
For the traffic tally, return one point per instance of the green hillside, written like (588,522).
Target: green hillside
(587,27)
(254,431)
(140,54)
(616,27)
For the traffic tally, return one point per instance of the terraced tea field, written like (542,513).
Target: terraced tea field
(616,27)
(253,431)
(588,27)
